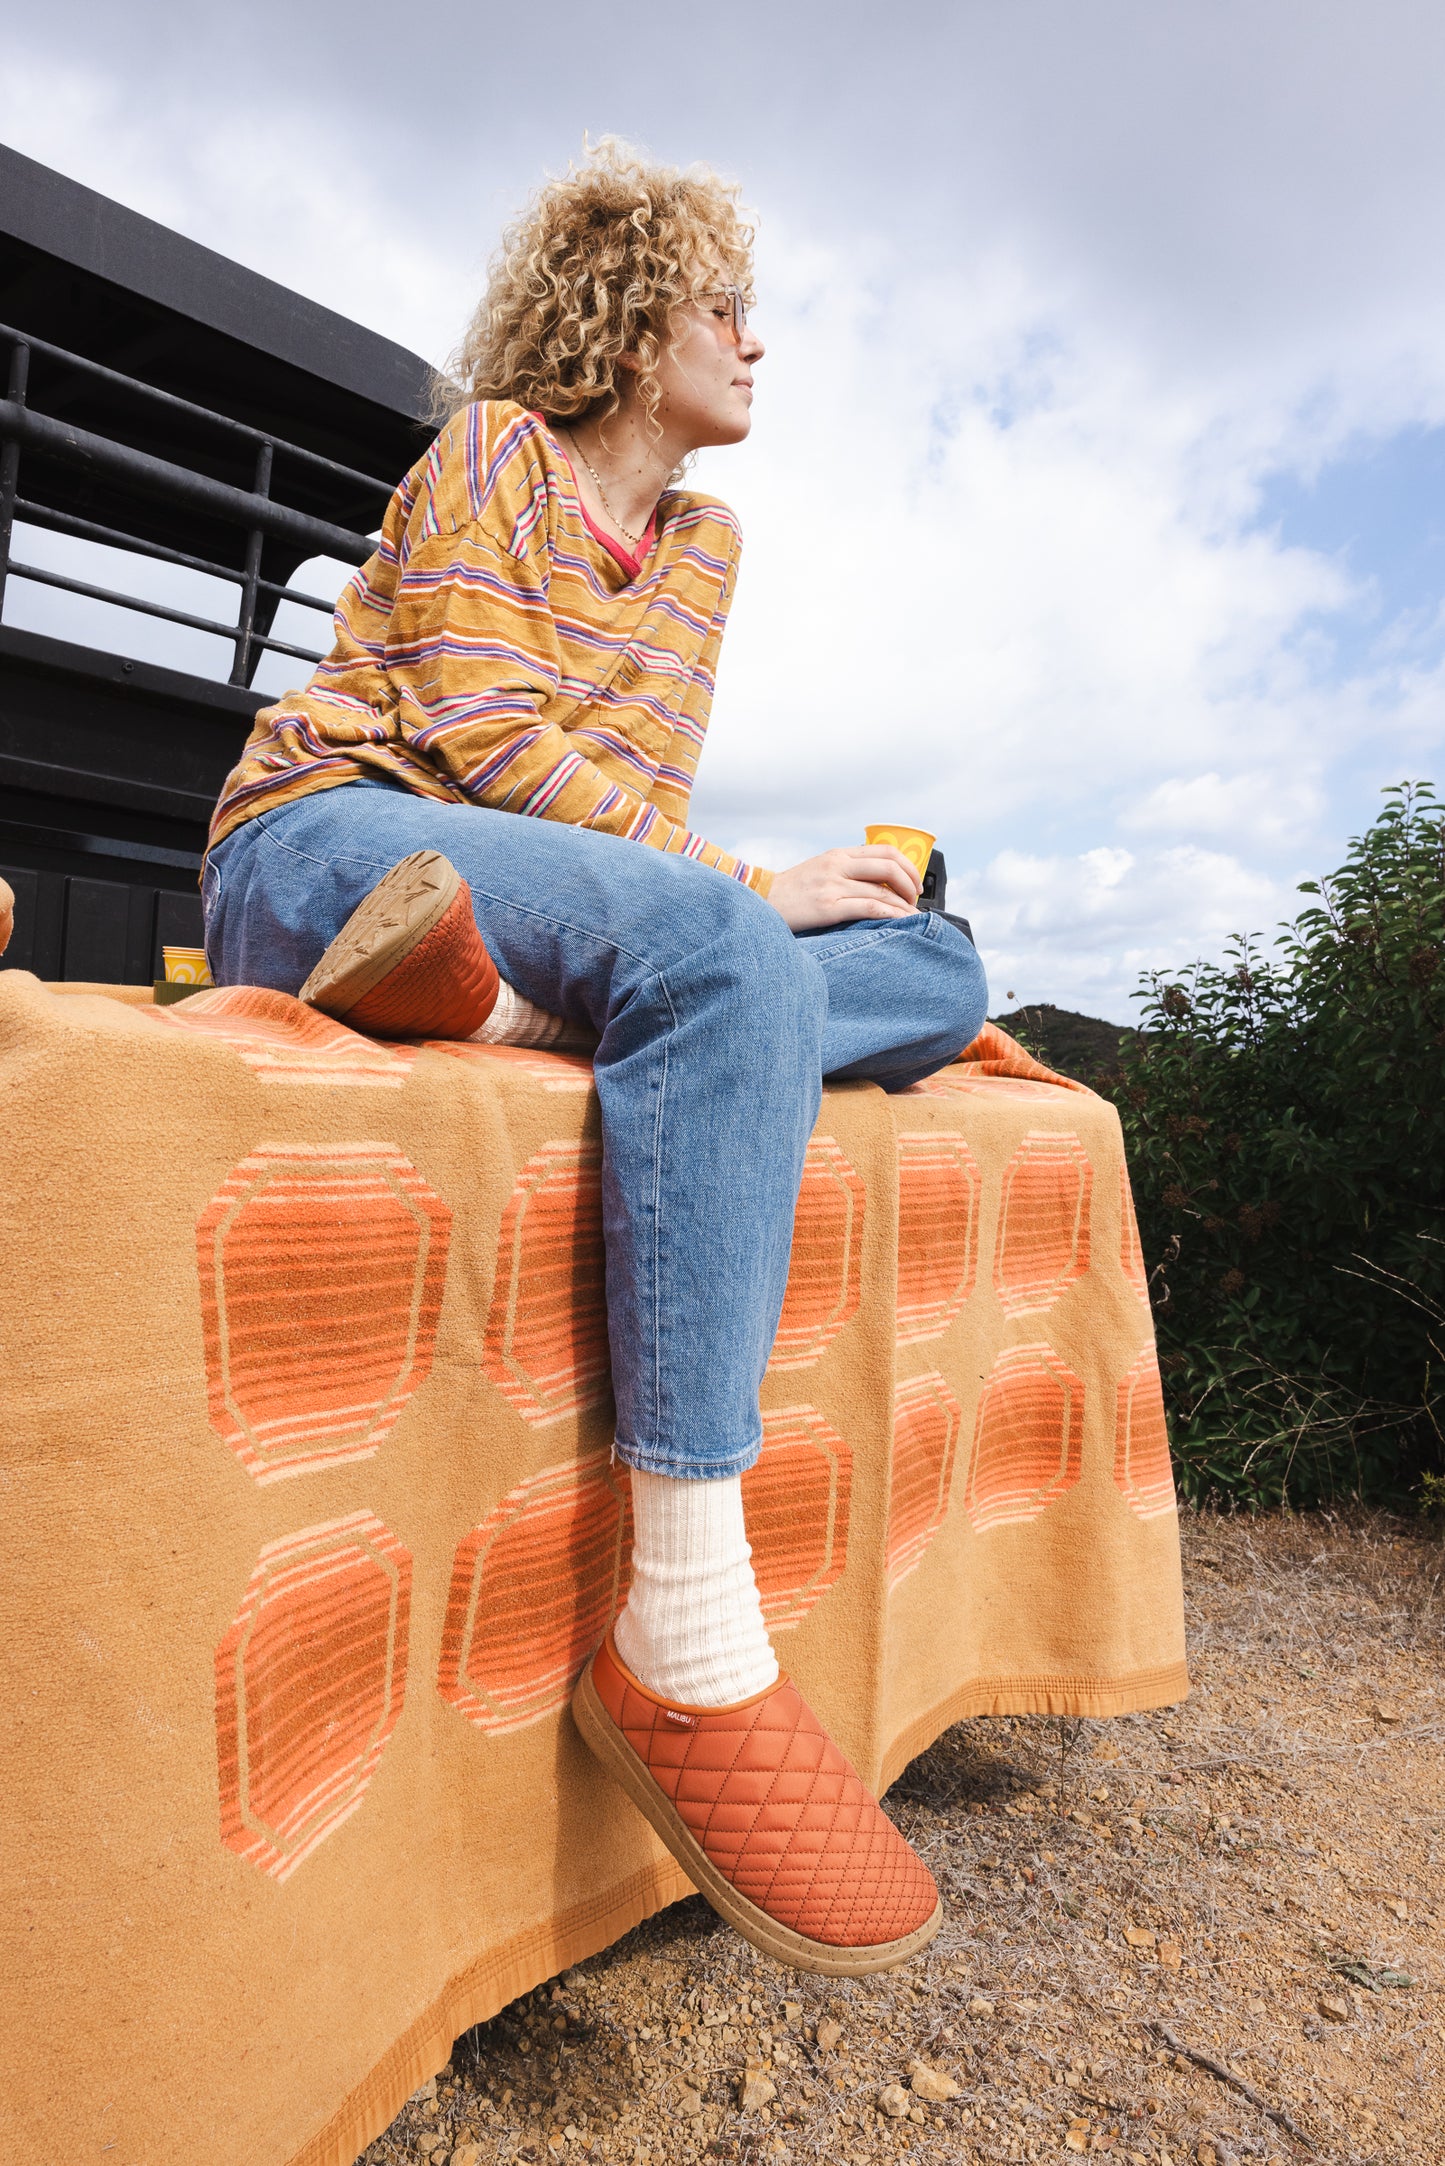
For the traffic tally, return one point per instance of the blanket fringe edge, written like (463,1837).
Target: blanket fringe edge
(476,1993)
(1040,1695)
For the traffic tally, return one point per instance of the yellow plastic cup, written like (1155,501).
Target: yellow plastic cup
(186,966)
(915,842)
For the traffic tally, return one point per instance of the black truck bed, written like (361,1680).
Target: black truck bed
(161,399)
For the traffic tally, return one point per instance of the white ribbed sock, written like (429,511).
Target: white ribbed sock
(515,1020)
(693,1627)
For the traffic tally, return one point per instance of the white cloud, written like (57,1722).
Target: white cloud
(1079,931)
(1251,806)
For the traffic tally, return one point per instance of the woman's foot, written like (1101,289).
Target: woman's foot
(409,961)
(767,1818)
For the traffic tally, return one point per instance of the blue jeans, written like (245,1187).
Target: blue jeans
(716,1025)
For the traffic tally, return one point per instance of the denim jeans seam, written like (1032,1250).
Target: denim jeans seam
(309,857)
(583,932)
(682,1467)
(923,930)
(657,1131)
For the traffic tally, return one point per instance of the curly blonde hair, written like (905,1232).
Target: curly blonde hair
(602,262)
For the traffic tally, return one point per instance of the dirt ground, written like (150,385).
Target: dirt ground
(1211,1934)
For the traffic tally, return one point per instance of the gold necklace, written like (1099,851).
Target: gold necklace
(635,539)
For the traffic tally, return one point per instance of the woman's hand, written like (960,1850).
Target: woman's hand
(872,880)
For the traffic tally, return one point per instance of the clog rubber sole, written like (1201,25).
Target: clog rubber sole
(406,904)
(780,1941)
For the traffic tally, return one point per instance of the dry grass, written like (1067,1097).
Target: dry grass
(1283,1824)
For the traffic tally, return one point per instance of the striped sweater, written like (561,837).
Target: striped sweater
(499,650)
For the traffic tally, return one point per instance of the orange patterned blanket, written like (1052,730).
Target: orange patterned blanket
(306,1464)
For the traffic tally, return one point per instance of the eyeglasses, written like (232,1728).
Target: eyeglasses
(739,306)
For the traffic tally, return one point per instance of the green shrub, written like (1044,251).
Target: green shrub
(1285,1122)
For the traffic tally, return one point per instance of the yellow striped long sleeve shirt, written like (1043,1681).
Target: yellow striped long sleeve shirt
(498,650)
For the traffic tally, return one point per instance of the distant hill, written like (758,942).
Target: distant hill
(1082,1046)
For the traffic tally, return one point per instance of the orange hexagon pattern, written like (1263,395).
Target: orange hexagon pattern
(546,1340)
(1131,1251)
(310,1680)
(926,1419)
(1027,1439)
(795,1501)
(938,1195)
(1142,1472)
(536,1585)
(281,1040)
(825,1274)
(1043,1235)
(321,1271)
(533,1589)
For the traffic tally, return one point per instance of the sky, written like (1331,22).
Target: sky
(1094,508)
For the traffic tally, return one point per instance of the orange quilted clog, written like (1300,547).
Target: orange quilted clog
(409,961)
(767,1817)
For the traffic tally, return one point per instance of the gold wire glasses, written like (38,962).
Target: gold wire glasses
(734,294)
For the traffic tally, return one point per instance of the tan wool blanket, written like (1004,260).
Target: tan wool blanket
(311,1522)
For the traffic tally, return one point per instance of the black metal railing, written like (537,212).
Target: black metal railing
(255,511)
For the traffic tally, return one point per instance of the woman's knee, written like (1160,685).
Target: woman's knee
(748,961)
(953,1006)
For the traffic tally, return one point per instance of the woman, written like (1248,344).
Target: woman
(537,635)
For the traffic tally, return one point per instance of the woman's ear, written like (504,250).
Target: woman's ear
(630,361)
